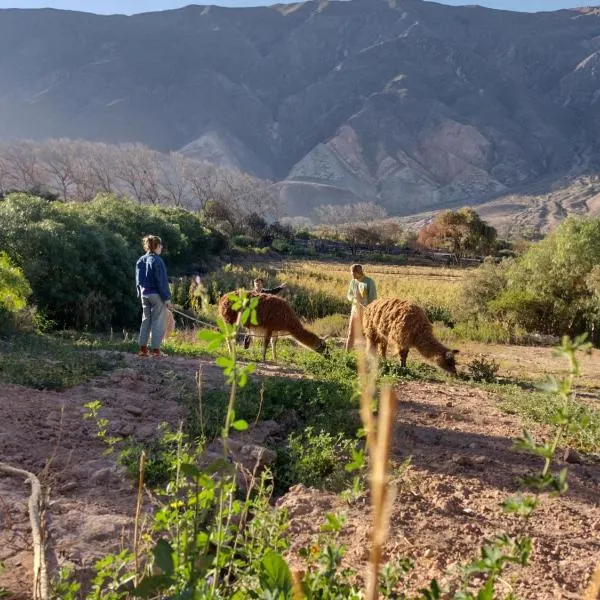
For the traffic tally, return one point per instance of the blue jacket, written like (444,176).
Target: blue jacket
(151,276)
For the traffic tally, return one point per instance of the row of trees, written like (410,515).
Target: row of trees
(75,170)
(461,233)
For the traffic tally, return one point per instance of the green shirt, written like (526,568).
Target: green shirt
(367,285)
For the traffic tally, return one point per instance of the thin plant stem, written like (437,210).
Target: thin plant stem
(138,512)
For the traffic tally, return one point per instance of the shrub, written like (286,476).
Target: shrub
(331,326)
(483,369)
(315,460)
(242,241)
(439,314)
(14,291)
(79,258)
(280,245)
(483,285)
(550,288)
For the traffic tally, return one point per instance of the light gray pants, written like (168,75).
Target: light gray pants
(153,320)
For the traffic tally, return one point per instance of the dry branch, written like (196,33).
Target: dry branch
(40,572)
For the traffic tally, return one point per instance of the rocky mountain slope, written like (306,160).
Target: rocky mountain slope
(413,104)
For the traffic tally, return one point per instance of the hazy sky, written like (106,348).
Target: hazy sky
(133,6)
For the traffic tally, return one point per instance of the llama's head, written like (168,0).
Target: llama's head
(447,361)
(322,348)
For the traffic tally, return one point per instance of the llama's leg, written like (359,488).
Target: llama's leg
(371,345)
(383,349)
(274,347)
(266,345)
(403,356)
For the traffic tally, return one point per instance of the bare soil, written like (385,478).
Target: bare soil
(462,468)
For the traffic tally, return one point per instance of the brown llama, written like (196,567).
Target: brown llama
(404,325)
(274,316)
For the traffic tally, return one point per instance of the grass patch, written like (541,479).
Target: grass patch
(540,407)
(51,363)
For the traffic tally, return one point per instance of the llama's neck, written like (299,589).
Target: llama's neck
(305,337)
(428,346)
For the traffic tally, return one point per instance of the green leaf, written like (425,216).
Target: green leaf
(224,362)
(487,591)
(275,573)
(245,316)
(191,470)
(521,505)
(333,523)
(240,425)
(151,584)
(163,555)
(207,335)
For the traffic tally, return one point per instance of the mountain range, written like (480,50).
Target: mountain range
(412,104)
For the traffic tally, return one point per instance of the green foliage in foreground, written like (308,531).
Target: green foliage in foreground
(14,291)
(209,540)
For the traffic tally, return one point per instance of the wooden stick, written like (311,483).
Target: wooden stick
(40,570)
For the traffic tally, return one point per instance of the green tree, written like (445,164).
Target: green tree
(554,287)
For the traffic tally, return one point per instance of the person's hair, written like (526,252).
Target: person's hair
(357,269)
(151,243)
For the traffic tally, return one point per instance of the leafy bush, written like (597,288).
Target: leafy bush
(315,460)
(552,288)
(79,258)
(439,314)
(280,245)
(483,369)
(242,241)
(331,326)
(14,291)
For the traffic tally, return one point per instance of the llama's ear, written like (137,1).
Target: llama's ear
(455,351)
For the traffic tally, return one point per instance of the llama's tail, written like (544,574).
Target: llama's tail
(307,338)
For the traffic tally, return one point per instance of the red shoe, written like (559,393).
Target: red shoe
(157,353)
(143,351)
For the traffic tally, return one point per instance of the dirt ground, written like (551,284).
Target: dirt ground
(462,468)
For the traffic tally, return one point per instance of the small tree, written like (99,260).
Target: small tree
(460,232)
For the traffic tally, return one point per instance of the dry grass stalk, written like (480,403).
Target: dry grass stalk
(381,497)
(297,579)
(593,590)
(378,435)
(138,512)
(199,391)
(367,375)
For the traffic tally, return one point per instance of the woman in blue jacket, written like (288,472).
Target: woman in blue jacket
(153,289)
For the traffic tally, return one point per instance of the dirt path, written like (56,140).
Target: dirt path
(463,466)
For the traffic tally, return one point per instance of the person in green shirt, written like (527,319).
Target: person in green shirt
(361,292)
